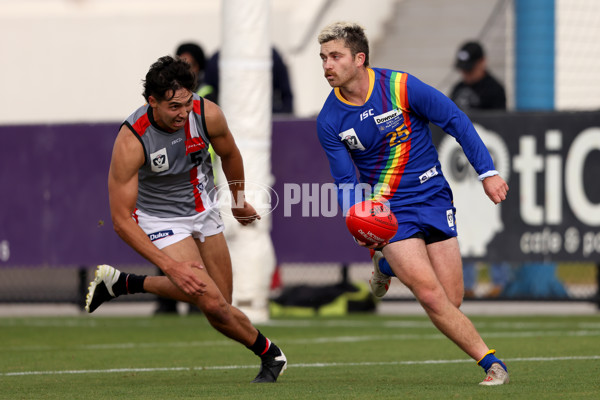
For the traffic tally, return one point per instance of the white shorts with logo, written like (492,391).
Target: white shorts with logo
(166,231)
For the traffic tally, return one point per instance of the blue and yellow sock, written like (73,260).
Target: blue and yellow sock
(384,266)
(488,359)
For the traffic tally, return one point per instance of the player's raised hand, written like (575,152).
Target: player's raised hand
(495,188)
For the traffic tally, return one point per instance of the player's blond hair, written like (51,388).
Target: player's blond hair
(351,33)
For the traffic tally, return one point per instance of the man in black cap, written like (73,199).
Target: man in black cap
(478,89)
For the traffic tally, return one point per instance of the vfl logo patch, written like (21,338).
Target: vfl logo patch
(159,235)
(429,174)
(450,218)
(159,161)
(351,139)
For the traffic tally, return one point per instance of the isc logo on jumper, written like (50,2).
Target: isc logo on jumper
(159,161)
(366,114)
(159,235)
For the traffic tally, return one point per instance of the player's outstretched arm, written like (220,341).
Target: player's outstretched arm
(225,147)
(495,188)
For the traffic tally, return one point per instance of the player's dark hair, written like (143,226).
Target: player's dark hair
(352,34)
(167,75)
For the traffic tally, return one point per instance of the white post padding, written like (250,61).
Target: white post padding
(245,97)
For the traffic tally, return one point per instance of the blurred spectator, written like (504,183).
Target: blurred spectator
(193,54)
(477,89)
(283,98)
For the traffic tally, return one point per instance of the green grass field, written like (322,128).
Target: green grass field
(353,357)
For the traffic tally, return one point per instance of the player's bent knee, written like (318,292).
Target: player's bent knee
(431,300)
(456,299)
(456,302)
(215,308)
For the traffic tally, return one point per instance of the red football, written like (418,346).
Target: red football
(371,222)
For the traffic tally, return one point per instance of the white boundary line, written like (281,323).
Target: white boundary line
(402,308)
(301,365)
(316,340)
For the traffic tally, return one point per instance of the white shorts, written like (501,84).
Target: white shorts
(166,231)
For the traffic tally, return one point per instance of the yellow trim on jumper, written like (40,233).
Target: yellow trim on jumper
(371,86)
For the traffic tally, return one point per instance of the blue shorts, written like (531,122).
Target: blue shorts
(432,221)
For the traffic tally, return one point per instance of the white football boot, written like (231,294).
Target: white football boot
(380,282)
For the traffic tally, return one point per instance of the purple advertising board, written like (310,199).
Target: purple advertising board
(307,224)
(54,205)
